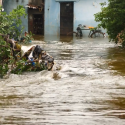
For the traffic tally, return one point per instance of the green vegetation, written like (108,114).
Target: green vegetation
(112,18)
(28,38)
(5,57)
(11,24)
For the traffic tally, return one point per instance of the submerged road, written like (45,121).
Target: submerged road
(86,87)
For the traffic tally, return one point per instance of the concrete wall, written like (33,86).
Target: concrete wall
(9,5)
(52,17)
(84,11)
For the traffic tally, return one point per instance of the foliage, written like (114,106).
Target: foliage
(28,38)
(5,57)
(22,66)
(11,23)
(112,18)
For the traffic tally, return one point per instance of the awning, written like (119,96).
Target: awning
(40,7)
(66,0)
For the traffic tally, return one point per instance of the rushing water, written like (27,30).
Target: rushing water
(86,87)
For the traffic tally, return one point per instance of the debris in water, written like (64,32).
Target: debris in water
(56,76)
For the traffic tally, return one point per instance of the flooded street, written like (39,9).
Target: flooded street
(86,87)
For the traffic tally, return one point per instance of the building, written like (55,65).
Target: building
(56,17)
(0,2)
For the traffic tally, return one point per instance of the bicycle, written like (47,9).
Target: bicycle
(78,33)
(96,33)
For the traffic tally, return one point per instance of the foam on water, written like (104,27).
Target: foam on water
(81,88)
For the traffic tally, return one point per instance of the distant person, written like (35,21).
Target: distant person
(22,39)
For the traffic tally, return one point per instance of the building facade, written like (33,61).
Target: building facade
(0,2)
(56,17)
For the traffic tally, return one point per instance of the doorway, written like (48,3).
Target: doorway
(36,17)
(38,24)
(66,18)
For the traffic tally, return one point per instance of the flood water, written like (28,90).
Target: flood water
(86,86)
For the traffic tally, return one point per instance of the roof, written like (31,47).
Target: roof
(66,0)
(35,6)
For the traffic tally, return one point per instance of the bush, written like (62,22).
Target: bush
(112,18)
(5,57)
(9,24)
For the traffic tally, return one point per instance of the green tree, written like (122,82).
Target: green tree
(9,62)
(112,18)
(9,24)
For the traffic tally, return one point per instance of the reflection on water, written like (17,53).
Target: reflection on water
(38,37)
(66,38)
(117,63)
(53,38)
(86,86)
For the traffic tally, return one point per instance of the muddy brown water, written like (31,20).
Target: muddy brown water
(86,87)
